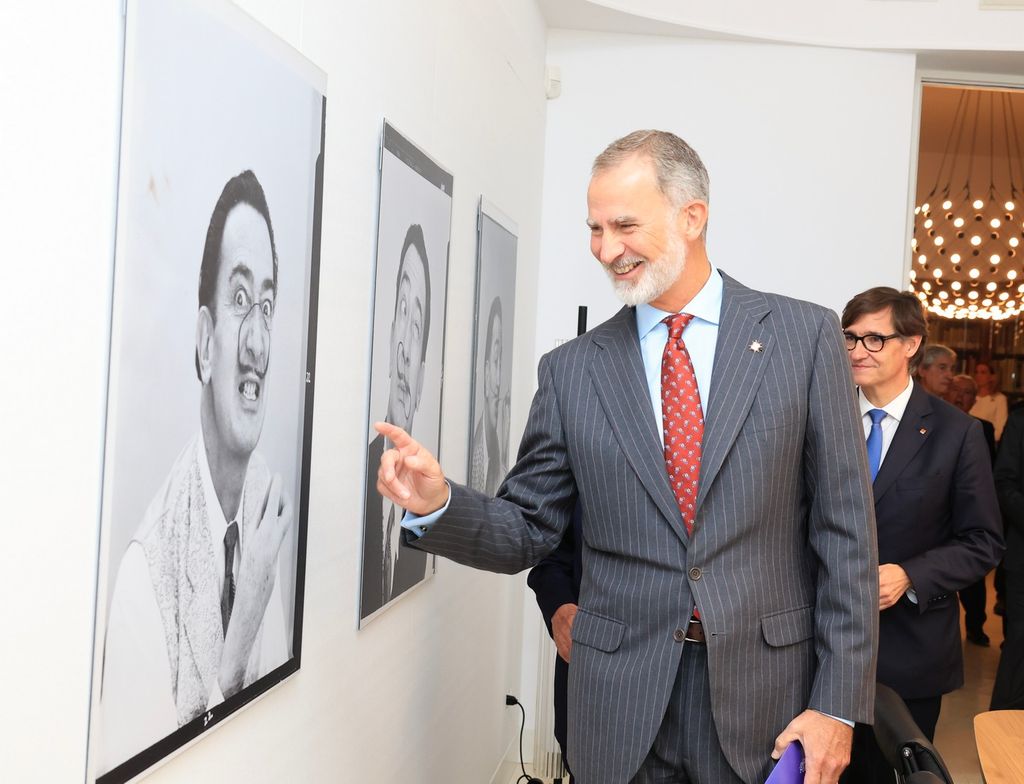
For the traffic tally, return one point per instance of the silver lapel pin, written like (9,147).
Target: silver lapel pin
(756,346)
(923,431)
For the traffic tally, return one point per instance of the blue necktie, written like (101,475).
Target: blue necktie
(875,441)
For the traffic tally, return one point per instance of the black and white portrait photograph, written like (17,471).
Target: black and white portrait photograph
(492,349)
(209,410)
(414,224)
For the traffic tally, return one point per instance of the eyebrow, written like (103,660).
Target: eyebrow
(242,270)
(618,221)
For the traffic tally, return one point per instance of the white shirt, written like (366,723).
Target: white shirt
(894,411)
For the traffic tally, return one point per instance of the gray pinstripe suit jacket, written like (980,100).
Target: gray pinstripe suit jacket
(782,561)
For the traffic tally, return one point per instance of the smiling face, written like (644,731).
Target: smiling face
(407,341)
(234,339)
(883,374)
(635,232)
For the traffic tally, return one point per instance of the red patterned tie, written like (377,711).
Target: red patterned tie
(682,421)
(682,418)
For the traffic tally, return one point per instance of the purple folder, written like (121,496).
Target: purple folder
(790,767)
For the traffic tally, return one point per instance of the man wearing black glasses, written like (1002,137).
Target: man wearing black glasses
(938,520)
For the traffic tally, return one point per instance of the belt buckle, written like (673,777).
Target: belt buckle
(695,622)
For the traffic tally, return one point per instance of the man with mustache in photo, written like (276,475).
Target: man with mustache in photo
(196,613)
(389,567)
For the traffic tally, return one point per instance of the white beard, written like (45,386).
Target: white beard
(658,275)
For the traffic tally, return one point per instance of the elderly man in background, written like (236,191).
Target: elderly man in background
(936,369)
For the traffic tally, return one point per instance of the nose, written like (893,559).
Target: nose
(606,247)
(254,341)
(858,352)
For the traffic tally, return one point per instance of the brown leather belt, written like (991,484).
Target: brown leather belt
(695,632)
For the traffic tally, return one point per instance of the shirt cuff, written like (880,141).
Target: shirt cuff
(417,525)
(912,595)
(847,722)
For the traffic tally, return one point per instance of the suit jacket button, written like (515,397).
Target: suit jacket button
(695,573)
(678,635)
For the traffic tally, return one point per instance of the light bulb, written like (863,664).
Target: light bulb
(925,207)
(975,240)
(955,258)
(1004,295)
(972,295)
(939,240)
(958,222)
(913,274)
(955,285)
(947,204)
(926,286)
(1011,275)
(937,272)
(994,258)
(978,204)
(974,273)
(943,294)
(922,296)
(922,259)
(1014,242)
(959,301)
(995,223)
(986,302)
(1009,206)
(990,286)
(928,223)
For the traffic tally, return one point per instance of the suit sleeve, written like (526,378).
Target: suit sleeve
(533,507)
(841,533)
(1008,477)
(975,541)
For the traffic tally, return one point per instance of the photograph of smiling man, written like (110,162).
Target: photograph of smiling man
(209,413)
(414,225)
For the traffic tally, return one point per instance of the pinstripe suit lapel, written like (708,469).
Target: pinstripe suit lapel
(908,439)
(736,374)
(618,374)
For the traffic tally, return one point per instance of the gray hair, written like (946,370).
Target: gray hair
(963,378)
(935,351)
(680,171)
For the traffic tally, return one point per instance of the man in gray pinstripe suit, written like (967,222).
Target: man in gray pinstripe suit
(697,654)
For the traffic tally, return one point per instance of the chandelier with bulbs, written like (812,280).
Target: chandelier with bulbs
(967,245)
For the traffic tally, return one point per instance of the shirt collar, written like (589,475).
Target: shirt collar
(706,305)
(214,513)
(896,407)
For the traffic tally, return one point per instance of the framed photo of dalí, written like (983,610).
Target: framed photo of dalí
(490,400)
(210,395)
(406,353)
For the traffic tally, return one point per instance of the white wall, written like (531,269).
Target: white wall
(418,695)
(809,152)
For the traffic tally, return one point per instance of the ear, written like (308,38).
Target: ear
(912,344)
(691,219)
(204,341)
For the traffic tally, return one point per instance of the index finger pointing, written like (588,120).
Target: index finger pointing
(394,434)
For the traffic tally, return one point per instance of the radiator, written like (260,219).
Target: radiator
(547,756)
